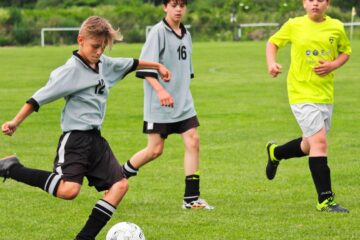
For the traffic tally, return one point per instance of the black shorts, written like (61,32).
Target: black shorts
(87,154)
(165,129)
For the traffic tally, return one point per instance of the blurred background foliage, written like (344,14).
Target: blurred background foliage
(211,20)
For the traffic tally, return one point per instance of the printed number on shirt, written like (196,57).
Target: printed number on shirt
(99,89)
(182,52)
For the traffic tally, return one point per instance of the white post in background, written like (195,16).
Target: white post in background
(353,13)
(56,29)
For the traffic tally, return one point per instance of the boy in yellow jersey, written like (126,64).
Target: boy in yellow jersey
(319,46)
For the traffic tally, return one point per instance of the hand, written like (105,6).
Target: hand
(165,98)
(274,69)
(8,128)
(164,73)
(324,68)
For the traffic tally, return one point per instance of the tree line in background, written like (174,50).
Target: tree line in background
(210,20)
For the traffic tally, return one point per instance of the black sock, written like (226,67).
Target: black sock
(320,173)
(192,188)
(129,170)
(45,180)
(100,215)
(289,150)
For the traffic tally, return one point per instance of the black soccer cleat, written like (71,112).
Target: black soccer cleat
(272,163)
(6,163)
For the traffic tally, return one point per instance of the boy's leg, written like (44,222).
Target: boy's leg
(105,174)
(320,172)
(294,148)
(152,151)
(319,168)
(66,181)
(191,165)
(10,167)
(48,181)
(191,169)
(103,210)
(276,153)
(310,118)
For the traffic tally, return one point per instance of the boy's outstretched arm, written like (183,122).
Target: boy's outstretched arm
(164,97)
(163,71)
(8,128)
(273,68)
(326,67)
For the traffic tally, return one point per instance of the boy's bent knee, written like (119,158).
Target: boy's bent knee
(68,190)
(117,192)
(123,185)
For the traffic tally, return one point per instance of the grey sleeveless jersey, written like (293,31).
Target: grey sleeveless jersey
(163,45)
(84,89)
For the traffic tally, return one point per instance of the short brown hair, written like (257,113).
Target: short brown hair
(97,27)
(165,2)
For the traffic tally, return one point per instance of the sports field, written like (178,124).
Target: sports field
(240,108)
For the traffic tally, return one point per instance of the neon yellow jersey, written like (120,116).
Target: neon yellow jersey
(310,42)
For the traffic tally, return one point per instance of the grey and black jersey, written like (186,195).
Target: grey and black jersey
(164,46)
(84,89)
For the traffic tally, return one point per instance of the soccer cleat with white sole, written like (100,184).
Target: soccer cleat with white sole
(197,204)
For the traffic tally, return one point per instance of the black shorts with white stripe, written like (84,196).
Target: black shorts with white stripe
(165,129)
(87,154)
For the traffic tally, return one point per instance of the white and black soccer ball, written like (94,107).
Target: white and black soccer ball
(125,231)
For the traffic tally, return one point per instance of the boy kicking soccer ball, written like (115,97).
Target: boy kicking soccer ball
(84,82)
(319,46)
(169,107)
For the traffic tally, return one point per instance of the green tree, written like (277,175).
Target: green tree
(155,2)
(18,3)
(345,5)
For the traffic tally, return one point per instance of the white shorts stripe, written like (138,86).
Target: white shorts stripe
(61,152)
(150,126)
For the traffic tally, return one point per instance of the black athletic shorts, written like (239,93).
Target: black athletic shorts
(87,154)
(165,129)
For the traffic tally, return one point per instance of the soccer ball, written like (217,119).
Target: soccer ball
(125,231)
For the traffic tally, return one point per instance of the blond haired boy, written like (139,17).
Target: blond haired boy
(84,82)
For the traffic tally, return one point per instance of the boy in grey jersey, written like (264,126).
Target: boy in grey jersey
(84,82)
(169,108)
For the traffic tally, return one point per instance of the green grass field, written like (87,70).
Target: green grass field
(240,108)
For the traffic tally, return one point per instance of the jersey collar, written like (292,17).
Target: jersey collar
(96,70)
(182,27)
(326,19)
